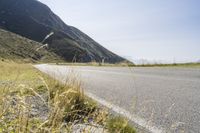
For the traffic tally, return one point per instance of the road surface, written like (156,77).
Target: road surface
(161,99)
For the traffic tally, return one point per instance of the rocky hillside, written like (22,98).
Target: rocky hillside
(34,20)
(15,47)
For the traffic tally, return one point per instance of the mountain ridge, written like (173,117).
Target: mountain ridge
(35,20)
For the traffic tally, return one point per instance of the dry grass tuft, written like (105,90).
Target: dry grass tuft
(119,125)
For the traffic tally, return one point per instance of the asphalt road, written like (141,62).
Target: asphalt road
(167,99)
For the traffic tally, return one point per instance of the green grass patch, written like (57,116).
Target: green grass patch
(119,125)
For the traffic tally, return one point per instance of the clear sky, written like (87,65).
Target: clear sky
(167,30)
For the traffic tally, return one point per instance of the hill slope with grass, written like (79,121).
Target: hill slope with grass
(15,47)
(34,20)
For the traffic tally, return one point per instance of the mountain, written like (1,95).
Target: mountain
(15,47)
(34,20)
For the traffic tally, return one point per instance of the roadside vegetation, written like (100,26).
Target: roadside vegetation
(119,125)
(98,64)
(197,65)
(129,64)
(31,101)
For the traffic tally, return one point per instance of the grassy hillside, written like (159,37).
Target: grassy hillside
(15,47)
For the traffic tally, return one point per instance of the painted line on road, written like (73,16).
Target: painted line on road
(137,120)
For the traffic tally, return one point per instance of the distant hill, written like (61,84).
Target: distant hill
(34,20)
(15,47)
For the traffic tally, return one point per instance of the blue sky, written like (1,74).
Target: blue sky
(167,30)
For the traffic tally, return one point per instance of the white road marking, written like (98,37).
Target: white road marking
(137,120)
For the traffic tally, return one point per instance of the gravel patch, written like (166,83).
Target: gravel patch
(81,128)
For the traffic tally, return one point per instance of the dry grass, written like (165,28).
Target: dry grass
(24,91)
(33,102)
